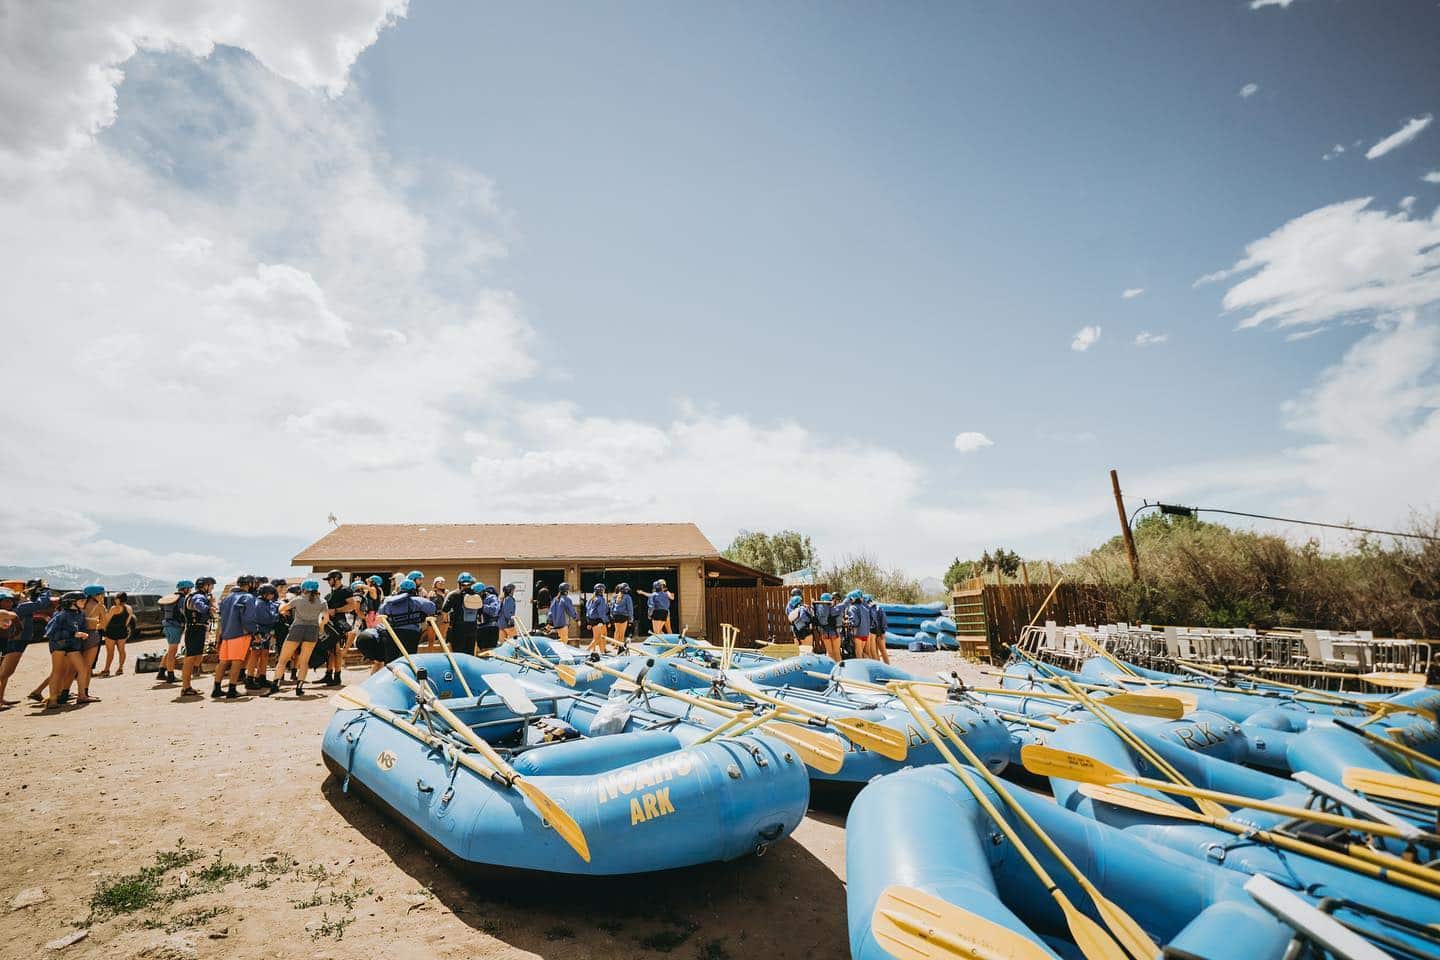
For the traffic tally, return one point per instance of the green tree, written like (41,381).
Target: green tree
(1006,561)
(960,570)
(774,553)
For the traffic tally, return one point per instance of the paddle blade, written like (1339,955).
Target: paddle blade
(916,926)
(1046,761)
(351,698)
(822,751)
(1392,786)
(1146,705)
(1395,681)
(886,741)
(1141,802)
(1090,937)
(560,821)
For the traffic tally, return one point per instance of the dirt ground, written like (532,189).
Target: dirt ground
(172,829)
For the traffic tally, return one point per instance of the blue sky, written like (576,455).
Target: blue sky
(757,266)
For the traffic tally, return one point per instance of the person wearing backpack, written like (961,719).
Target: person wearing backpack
(463,617)
(622,611)
(597,618)
(880,622)
(172,624)
(827,626)
(487,633)
(802,620)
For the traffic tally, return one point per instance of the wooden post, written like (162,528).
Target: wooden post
(1025,574)
(1125,527)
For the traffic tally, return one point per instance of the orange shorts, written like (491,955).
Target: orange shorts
(236,648)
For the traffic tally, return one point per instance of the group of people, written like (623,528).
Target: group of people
(602,612)
(76,624)
(841,627)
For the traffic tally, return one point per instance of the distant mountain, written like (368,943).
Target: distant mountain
(64,576)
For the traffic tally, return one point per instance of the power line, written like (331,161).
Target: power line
(1177,510)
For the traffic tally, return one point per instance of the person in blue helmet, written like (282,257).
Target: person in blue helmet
(487,631)
(234,648)
(856,622)
(880,625)
(307,612)
(597,619)
(260,620)
(827,627)
(462,615)
(507,612)
(67,636)
(657,606)
(802,619)
(172,624)
(562,612)
(622,611)
(197,613)
(95,611)
(419,578)
(405,612)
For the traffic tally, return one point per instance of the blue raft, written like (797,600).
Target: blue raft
(644,800)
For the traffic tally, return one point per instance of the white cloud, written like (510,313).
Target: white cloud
(1334,152)
(1249,90)
(1282,4)
(1085,338)
(1145,338)
(1130,293)
(63,61)
(1407,203)
(1339,261)
(969,441)
(1412,129)
(1432,177)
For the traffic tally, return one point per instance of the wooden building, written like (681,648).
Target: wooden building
(541,555)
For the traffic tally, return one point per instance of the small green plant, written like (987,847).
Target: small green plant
(332,928)
(143,888)
(184,921)
(560,932)
(347,898)
(219,872)
(314,900)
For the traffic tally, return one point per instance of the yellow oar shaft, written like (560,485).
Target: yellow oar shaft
(1126,736)
(1400,748)
(454,665)
(1106,654)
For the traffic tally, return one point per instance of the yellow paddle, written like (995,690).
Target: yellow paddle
(886,741)
(1409,753)
(1046,761)
(1393,786)
(1085,639)
(1088,935)
(822,751)
(555,815)
(448,655)
(384,621)
(912,925)
(931,693)
(1141,704)
(1358,859)
(1129,933)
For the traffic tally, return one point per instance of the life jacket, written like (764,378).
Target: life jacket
(172,614)
(490,610)
(825,615)
(193,616)
(404,612)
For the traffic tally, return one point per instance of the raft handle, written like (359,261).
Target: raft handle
(424,787)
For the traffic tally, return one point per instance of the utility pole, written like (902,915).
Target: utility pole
(1125,527)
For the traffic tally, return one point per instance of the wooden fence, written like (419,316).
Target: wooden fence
(759,612)
(1009,607)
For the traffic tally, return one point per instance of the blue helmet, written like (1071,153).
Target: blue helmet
(795,602)
(795,591)
(826,598)
(564,588)
(868,598)
(853,595)
(599,588)
(408,586)
(465,578)
(415,575)
(6,594)
(477,588)
(623,588)
(185,585)
(376,580)
(93,590)
(310,586)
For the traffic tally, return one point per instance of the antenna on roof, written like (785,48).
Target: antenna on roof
(333,519)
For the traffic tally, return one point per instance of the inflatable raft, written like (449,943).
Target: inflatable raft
(640,798)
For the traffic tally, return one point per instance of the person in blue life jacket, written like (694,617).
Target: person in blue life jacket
(419,578)
(802,620)
(172,624)
(462,618)
(622,611)
(507,612)
(562,612)
(260,619)
(234,649)
(405,612)
(880,625)
(67,636)
(487,634)
(597,619)
(827,626)
(855,624)
(195,614)
(657,606)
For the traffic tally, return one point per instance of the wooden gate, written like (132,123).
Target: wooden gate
(758,612)
(1007,608)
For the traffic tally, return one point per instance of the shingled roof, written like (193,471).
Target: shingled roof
(385,542)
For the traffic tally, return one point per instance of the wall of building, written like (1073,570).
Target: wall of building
(691,595)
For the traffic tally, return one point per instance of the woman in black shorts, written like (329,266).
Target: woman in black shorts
(119,627)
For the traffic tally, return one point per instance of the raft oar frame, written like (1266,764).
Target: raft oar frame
(825,752)
(1134,742)
(1045,761)
(1357,858)
(454,665)
(1321,929)
(551,813)
(913,925)
(1092,939)
(886,741)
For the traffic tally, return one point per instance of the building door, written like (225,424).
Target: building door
(524,596)
(546,582)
